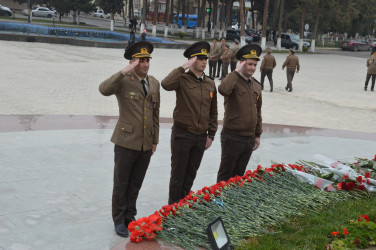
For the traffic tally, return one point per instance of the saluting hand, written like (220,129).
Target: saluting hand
(130,66)
(240,66)
(190,62)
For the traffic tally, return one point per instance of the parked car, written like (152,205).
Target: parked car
(236,26)
(43,12)
(372,45)
(355,45)
(254,34)
(5,11)
(291,41)
(101,14)
(235,34)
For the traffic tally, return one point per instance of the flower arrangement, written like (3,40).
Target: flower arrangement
(248,204)
(359,233)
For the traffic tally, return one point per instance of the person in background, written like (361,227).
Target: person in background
(371,71)
(292,64)
(226,59)
(132,38)
(242,122)
(267,65)
(235,50)
(136,133)
(143,35)
(195,118)
(219,66)
(214,54)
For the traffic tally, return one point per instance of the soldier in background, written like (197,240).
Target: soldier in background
(136,133)
(195,119)
(226,59)
(292,64)
(215,53)
(223,42)
(235,50)
(371,71)
(267,65)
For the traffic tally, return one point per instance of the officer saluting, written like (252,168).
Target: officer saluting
(195,118)
(136,133)
(242,123)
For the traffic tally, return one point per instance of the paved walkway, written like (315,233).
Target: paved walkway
(56,160)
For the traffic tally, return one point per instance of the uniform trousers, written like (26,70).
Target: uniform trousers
(212,68)
(269,74)
(129,172)
(236,152)
(219,67)
(233,66)
(290,76)
(225,68)
(187,150)
(373,80)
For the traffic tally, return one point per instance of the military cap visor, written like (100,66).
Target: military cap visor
(250,51)
(139,50)
(373,52)
(199,49)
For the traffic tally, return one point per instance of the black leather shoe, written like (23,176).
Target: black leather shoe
(290,90)
(121,230)
(371,89)
(221,78)
(286,88)
(365,88)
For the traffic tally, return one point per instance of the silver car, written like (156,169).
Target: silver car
(43,12)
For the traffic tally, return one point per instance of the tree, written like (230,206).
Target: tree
(281,7)
(264,24)
(113,7)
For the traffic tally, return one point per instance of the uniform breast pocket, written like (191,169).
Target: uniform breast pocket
(155,100)
(132,99)
(240,89)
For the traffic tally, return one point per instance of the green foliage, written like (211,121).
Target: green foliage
(111,6)
(181,34)
(313,230)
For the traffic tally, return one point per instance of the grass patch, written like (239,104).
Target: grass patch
(312,231)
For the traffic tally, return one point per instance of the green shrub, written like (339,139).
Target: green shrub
(181,34)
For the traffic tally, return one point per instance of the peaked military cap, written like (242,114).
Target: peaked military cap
(139,49)
(373,52)
(214,39)
(249,51)
(292,51)
(223,39)
(236,41)
(199,49)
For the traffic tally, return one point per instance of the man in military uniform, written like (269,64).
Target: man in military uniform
(242,123)
(268,63)
(371,71)
(215,53)
(292,64)
(235,50)
(223,42)
(195,118)
(226,58)
(136,133)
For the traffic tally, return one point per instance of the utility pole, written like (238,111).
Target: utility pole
(29,7)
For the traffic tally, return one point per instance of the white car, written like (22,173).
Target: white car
(43,12)
(101,14)
(5,11)
(236,26)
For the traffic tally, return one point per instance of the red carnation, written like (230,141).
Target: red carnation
(359,179)
(367,175)
(207,197)
(334,233)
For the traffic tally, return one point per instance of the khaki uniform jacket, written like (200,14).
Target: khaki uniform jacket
(292,62)
(138,124)
(215,51)
(268,62)
(242,105)
(233,56)
(226,56)
(371,65)
(196,103)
